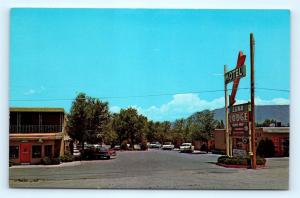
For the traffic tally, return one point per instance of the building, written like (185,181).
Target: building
(278,135)
(35,133)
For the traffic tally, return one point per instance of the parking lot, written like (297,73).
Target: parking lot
(153,169)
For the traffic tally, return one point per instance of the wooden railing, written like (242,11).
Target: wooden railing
(35,128)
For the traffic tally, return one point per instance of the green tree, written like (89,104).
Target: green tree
(151,131)
(220,124)
(178,131)
(77,118)
(88,120)
(203,125)
(129,125)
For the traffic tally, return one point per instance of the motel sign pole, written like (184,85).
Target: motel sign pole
(226,113)
(252,103)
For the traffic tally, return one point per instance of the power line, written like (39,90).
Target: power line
(151,95)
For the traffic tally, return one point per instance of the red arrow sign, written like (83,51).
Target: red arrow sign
(240,62)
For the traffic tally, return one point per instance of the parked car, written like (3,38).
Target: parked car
(154,145)
(168,146)
(117,147)
(186,148)
(95,151)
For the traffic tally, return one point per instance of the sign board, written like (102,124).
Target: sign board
(234,74)
(239,153)
(239,119)
(240,108)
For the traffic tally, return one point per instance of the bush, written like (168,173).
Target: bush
(55,160)
(260,161)
(239,160)
(266,148)
(123,145)
(77,158)
(67,157)
(10,163)
(203,147)
(50,161)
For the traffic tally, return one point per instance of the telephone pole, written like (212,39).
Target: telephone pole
(253,141)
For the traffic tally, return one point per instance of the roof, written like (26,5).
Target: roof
(36,109)
(276,129)
(36,136)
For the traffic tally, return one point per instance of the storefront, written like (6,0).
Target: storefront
(35,133)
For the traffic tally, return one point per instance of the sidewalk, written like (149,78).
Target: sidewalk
(65,164)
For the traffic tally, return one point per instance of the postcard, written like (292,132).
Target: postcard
(149,98)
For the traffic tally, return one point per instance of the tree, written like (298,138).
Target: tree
(88,120)
(177,132)
(129,125)
(151,131)
(76,124)
(220,124)
(203,125)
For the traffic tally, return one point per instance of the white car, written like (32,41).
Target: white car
(186,147)
(154,145)
(168,146)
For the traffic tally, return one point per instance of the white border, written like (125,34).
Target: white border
(5,5)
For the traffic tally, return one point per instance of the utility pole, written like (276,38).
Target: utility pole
(252,45)
(226,114)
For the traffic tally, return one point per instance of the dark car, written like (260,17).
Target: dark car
(98,152)
(102,152)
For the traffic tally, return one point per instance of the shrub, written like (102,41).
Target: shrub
(46,161)
(203,147)
(239,160)
(50,161)
(10,163)
(266,148)
(67,157)
(260,161)
(55,160)
(77,158)
(124,145)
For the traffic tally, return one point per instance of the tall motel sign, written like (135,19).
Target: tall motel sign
(240,119)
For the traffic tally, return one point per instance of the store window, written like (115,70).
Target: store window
(13,152)
(48,150)
(36,151)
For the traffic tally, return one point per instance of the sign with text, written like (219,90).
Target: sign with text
(240,108)
(239,117)
(236,73)
(239,153)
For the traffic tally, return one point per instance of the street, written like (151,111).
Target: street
(153,169)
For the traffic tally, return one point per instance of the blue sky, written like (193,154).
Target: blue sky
(116,54)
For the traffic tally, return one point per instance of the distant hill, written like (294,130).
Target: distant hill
(280,113)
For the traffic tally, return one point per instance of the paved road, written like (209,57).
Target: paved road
(153,169)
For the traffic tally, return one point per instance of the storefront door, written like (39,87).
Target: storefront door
(25,153)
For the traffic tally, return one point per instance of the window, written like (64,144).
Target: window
(13,152)
(36,151)
(48,150)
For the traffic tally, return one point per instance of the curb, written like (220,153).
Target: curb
(238,166)
(66,164)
